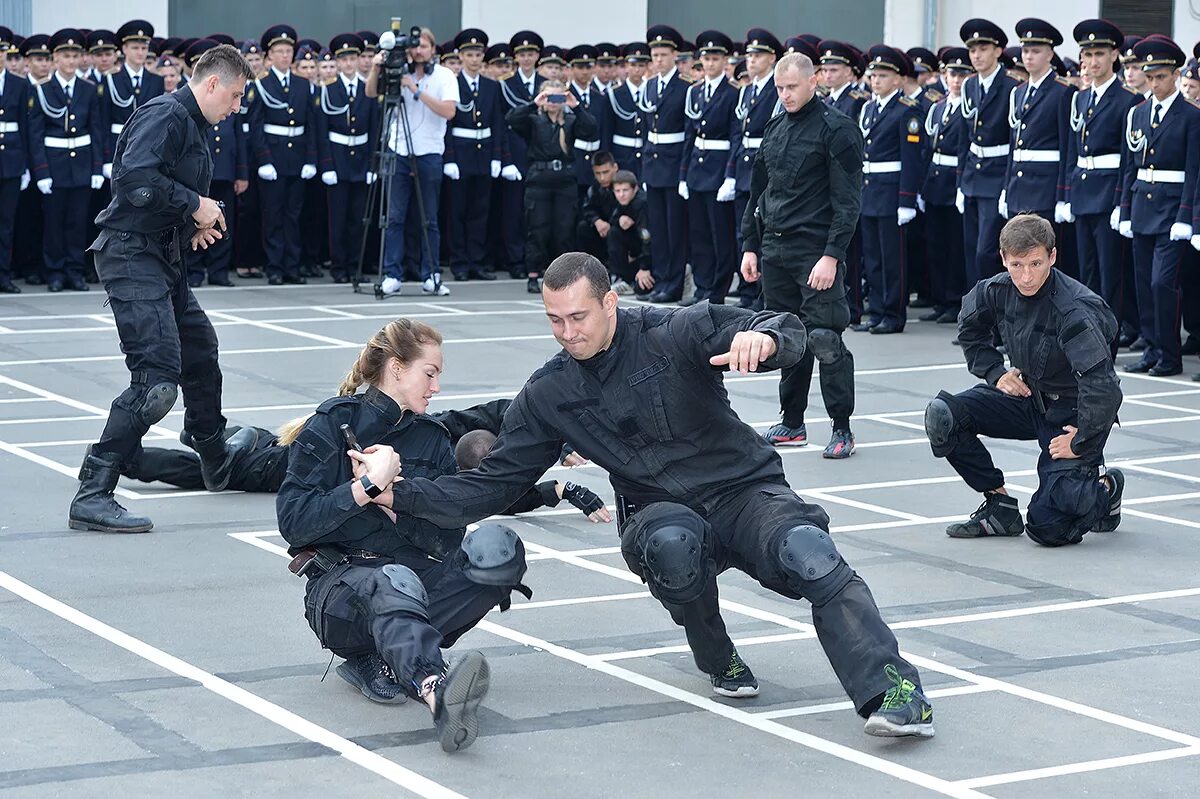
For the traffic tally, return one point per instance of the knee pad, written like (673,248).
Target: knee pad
(941,425)
(812,566)
(157,402)
(399,589)
(495,555)
(668,546)
(825,344)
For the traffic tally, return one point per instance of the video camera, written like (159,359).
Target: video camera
(396,66)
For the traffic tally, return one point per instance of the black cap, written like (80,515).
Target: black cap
(67,39)
(311,44)
(100,40)
(222,38)
(1127,45)
(447,50)
(327,55)
(525,40)
(1196,51)
(664,36)
(346,44)
(551,54)
(636,52)
(197,49)
(1097,33)
(6,37)
(471,37)
(957,59)
(1032,30)
(685,50)
(713,42)
(169,45)
(135,30)
(607,53)
(1190,69)
(182,48)
(831,51)
(923,60)
(882,56)
(582,55)
(761,40)
(801,46)
(37,44)
(982,31)
(370,40)
(250,46)
(500,51)
(278,34)
(740,71)
(1011,58)
(812,39)
(1070,68)
(1158,52)
(155,45)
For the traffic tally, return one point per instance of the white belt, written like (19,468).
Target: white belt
(245,127)
(283,130)
(998,151)
(666,138)
(1153,175)
(1110,161)
(9,127)
(77,141)
(751,143)
(478,134)
(587,146)
(942,159)
(117,127)
(880,167)
(349,141)
(627,141)
(712,144)
(1036,156)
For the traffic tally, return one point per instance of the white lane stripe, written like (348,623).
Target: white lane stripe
(633,654)
(577,600)
(55,466)
(1079,768)
(16,400)
(813,710)
(329,309)
(867,506)
(285,330)
(300,726)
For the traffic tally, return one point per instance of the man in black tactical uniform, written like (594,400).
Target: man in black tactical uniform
(640,392)
(161,173)
(1060,390)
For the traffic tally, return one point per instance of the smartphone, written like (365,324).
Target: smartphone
(556,98)
(351,439)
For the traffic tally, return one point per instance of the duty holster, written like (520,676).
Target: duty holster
(315,561)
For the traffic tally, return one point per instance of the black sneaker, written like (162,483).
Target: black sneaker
(783,436)
(905,711)
(458,695)
(840,446)
(737,680)
(998,515)
(1116,487)
(371,675)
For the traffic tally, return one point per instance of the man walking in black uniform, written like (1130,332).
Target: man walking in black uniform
(161,174)
(640,392)
(1061,390)
(803,224)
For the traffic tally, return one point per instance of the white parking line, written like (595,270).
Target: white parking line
(814,710)
(1079,768)
(281,329)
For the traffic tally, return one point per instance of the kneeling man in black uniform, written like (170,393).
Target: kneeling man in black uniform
(1061,390)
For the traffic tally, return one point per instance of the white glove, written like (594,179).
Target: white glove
(683,189)
(1126,229)
(451,171)
(905,215)
(1114,219)
(44,185)
(960,201)
(97,182)
(308,171)
(510,172)
(25,180)
(727,191)
(106,170)
(1181,232)
(267,172)
(495,166)
(329,178)
(1002,205)
(1196,242)
(1058,213)
(920,203)
(371,176)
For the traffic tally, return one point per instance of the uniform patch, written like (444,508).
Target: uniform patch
(913,139)
(913,125)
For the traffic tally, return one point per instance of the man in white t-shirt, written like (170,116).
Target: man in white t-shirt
(430,94)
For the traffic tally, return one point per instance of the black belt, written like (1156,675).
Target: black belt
(557,165)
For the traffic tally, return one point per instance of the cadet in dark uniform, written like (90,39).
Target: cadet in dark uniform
(518,90)
(1061,391)
(582,61)
(284,144)
(28,260)
(983,159)
(804,201)
(161,174)
(474,154)
(607,56)
(230,177)
(66,134)
(102,52)
(131,86)
(14,159)
(1162,163)
(640,392)
(624,120)
(663,105)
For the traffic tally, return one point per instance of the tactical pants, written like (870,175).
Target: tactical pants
(65,241)
(667,220)
(550,207)
(216,260)
(944,242)
(467,216)
(1069,499)
(981,238)
(884,255)
(625,254)
(747,293)
(166,338)
(354,610)
(712,245)
(347,209)
(282,200)
(258,470)
(10,193)
(1156,266)
(785,268)
(748,528)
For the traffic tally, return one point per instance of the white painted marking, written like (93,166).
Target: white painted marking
(813,710)
(281,329)
(867,506)
(578,600)
(1079,768)
(16,400)
(329,309)
(633,654)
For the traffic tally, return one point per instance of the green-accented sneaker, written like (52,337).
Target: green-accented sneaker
(905,710)
(736,681)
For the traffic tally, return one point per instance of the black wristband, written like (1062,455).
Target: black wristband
(371,489)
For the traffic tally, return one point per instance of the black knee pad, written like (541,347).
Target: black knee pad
(155,402)
(941,425)
(669,546)
(811,564)
(495,555)
(825,344)
(397,588)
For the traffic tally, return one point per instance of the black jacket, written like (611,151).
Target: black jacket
(1060,338)
(543,134)
(650,410)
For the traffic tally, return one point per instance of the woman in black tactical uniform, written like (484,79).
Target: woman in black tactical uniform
(387,593)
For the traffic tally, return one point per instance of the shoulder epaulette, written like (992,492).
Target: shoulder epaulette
(329,404)
(1129,88)
(1063,81)
(858,94)
(934,95)
(908,101)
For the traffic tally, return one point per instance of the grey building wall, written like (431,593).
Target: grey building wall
(863,26)
(18,15)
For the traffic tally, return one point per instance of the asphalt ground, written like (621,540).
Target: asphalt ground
(179,663)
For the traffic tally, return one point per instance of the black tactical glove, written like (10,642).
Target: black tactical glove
(582,497)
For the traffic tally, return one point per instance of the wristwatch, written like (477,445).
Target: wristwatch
(371,489)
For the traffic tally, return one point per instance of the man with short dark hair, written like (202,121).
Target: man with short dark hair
(1061,391)
(161,175)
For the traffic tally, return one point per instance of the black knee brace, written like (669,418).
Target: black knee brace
(941,425)
(398,589)
(495,556)
(811,564)
(825,344)
(668,545)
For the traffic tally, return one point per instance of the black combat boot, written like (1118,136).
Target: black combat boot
(216,458)
(95,507)
(458,694)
